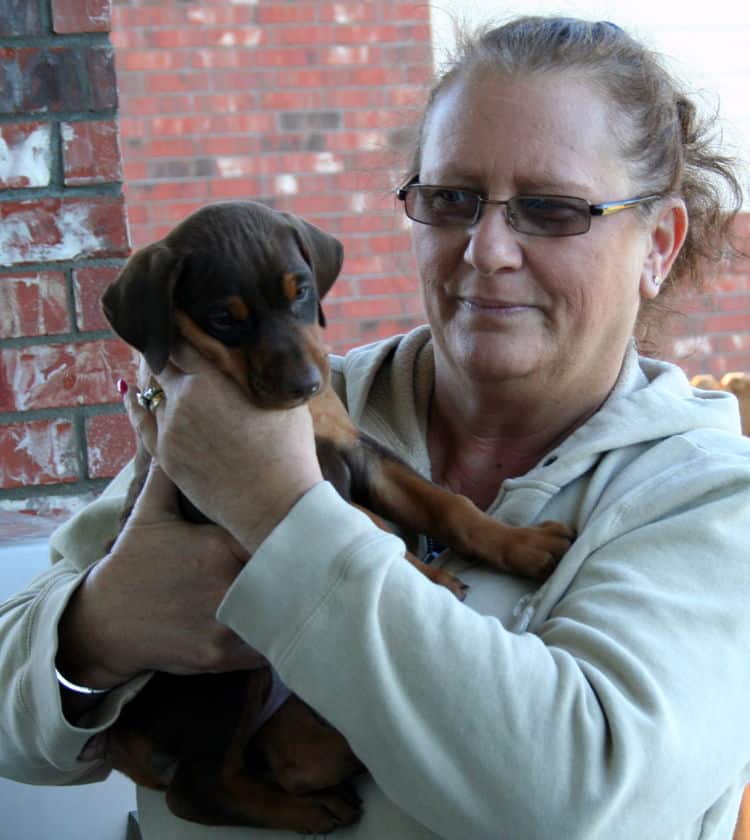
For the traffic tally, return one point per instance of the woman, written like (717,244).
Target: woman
(611,701)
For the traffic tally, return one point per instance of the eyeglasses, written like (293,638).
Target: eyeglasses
(537,215)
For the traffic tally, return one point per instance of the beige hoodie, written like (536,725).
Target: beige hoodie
(609,703)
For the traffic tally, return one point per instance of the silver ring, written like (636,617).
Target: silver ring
(150,398)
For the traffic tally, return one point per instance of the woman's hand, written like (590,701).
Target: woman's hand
(150,603)
(242,466)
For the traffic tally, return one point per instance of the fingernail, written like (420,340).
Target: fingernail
(122,387)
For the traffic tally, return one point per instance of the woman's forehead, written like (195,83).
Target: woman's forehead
(543,132)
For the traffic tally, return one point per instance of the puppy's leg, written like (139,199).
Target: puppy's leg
(438,576)
(396,492)
(232,792)
(303,751)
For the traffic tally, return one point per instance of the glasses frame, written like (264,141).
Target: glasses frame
(606,208)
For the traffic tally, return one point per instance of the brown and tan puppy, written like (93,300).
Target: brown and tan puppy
(243,284)
(738,383)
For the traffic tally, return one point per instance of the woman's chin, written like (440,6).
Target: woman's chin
(485,357)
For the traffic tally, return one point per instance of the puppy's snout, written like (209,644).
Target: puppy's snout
(307,384)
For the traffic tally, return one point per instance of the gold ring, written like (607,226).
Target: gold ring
(150,398)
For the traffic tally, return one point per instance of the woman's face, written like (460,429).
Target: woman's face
(503,304)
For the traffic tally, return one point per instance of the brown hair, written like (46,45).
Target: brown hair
(665,145)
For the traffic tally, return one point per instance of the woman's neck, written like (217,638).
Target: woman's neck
(478,438)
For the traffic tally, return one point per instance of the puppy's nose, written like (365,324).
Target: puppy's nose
(306,385)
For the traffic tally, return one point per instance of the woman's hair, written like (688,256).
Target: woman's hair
(664,144)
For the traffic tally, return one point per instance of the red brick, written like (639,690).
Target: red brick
(134,59)
(91,152)
(374,119)
(69,16)
(148,105)
(227,15)
(408,11)
(145,16)
(349,13)
(168,191)
(727,323)
(228,188)
(111,444)
(100,67)
(176,37)
(283,57)
(388,285)
(179,126)
(62,229)
(38,452)
(24,155)
(62,375)
(737,303)
(384,33)
(89,284)
(34,304)
(271,13)
(303,77)
(303,35)
(350,55)
(188,81)
(365,263)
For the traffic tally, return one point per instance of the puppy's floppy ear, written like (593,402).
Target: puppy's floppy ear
(323,252)
(139,304)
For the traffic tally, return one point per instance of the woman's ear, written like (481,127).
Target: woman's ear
(668,232)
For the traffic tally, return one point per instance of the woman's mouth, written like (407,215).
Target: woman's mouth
(491,305)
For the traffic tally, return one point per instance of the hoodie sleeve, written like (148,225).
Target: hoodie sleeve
(622,715)
(37,743)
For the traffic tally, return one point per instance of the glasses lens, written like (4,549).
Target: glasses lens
(549,215)
(440,205)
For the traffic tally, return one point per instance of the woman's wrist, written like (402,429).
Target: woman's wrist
(80,660)
(251,531)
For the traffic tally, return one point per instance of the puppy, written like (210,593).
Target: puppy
(738,383)
(244,283)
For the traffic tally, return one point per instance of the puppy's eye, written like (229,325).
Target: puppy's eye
(221,320)
(303,293)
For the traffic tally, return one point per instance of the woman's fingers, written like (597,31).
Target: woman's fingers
(157,500)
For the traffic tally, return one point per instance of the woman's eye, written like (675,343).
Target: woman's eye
(448,197)
(303,293)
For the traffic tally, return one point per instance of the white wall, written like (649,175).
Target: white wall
(707,44)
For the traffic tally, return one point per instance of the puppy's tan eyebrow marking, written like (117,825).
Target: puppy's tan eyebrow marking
(289,285)
(237,308)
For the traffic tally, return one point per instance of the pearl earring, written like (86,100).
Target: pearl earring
(657,280)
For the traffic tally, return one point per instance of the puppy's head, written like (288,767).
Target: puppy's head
(243,283)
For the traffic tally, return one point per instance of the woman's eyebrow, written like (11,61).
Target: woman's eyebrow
(546,183)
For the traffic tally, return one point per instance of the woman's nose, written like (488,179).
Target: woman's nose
(493,244)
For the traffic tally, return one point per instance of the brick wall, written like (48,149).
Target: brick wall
(62,235)
(297,104)
(711,333)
